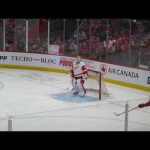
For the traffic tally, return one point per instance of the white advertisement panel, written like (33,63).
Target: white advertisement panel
(126,74)
(29,59)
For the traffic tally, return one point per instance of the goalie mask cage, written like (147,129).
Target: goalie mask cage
(95,84)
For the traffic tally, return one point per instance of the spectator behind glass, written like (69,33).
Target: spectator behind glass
(82,36)
(110,44)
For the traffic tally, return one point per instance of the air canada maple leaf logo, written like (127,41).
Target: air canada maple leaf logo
(103,68)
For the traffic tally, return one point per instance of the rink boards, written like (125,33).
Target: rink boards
(122,75)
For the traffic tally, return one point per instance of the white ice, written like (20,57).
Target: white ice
(41,101)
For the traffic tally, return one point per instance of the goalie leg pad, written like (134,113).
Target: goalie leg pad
(75,87)
(81,89)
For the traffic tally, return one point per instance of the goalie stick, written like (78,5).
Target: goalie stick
(118,114)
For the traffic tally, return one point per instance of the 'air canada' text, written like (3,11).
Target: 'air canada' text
(123,73)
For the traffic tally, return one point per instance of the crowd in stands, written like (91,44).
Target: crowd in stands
(16,36)
(38,37)
(36,45)
(58,41)
(10,34)
(20,36)
(1,33)
(114,38)
(95,36)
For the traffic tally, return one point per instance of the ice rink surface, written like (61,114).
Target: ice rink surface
(42,101)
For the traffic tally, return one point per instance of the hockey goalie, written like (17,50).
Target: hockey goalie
(79,73)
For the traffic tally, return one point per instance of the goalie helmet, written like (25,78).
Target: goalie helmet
(78,59)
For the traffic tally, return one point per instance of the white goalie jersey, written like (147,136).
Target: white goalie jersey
(79,71)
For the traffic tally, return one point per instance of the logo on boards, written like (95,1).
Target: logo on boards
(103,68)
(3,57)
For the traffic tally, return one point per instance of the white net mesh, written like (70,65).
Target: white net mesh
(95,84)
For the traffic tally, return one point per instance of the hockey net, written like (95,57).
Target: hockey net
(95,84)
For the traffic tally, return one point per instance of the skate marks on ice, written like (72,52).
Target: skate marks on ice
(32,76)
(69,97)
(43,78)
(39,77)
(1,85)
